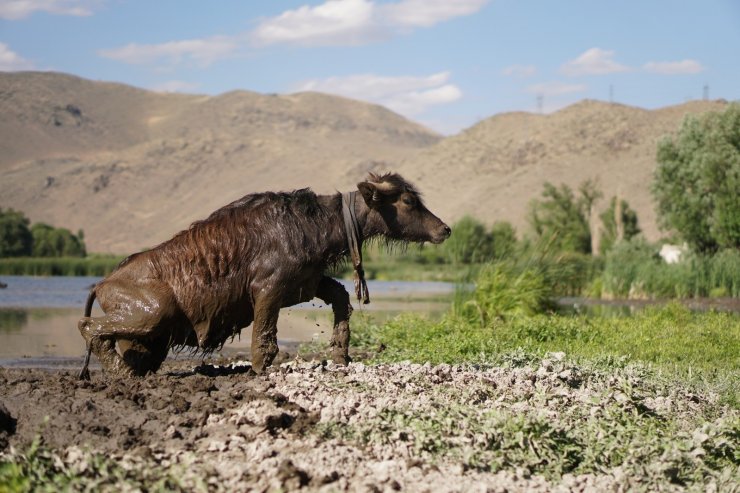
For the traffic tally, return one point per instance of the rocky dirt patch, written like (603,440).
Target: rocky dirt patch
(545,425)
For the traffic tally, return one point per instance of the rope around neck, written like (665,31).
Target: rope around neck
(354,240)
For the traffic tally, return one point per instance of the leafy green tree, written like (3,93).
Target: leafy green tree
(630,227)
(503,238)
(15,236)
(56,242)
(698,178)
(469,242)
(562,219)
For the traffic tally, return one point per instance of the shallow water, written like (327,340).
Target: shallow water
(39,315)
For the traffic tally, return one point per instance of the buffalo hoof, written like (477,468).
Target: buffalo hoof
(341,358)
(84,374)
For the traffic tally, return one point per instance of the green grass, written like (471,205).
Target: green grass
(699,347)
(95,265)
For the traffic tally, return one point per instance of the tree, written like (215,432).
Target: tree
(562,219)
(630,227)
(697,181)
(503,239)
(469,242)
(56,242)
(15,237)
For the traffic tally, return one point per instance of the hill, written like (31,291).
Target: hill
(493,169)
(132,167)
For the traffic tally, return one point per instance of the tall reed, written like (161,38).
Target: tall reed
(58,266)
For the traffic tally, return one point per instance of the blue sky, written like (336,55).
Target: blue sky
(443,63)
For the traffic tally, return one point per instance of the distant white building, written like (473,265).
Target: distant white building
(671,254)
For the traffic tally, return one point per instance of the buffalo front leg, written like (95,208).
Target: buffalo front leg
(331,292)
(264,333)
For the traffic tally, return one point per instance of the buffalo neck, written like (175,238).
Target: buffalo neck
(338,242)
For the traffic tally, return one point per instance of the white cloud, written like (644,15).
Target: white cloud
(522,71)
(10,61)
(202,52)
(556,88)
(407,95)
(176,86)
(674,68)
(426,13)
(19,9)
(594,61)
(333,22)
(356,22)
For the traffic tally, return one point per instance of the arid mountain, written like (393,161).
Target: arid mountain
(493,169)
(132,167)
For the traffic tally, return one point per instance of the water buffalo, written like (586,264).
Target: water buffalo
(242,264)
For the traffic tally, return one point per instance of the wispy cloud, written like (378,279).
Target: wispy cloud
(556,88)
(407,95)
(19,9)
(10,61)
(333,22)
(521,71)
(594,61)
(357,22)
(201,52)
(175,86)
(426,13)
(674,68)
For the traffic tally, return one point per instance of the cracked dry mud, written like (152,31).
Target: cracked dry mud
(387,427)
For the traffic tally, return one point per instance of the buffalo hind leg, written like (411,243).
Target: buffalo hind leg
(105,351)
(136,312)
(264,333)
(331,292)
(141,355)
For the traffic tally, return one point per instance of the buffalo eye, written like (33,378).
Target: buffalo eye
(408,200)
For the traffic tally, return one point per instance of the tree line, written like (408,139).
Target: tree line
(18,238)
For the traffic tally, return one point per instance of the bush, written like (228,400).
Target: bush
(501,291)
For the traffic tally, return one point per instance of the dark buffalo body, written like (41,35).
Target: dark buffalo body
(239,267)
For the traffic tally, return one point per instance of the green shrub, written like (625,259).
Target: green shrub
(501,291)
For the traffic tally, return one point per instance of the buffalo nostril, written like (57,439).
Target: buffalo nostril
(448,231)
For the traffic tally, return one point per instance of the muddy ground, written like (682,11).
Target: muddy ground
(322,427)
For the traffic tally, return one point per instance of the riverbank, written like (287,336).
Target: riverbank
(547,425)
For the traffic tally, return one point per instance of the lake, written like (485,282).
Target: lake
(39,315)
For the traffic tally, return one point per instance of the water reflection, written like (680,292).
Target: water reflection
(12,319)
(30,333)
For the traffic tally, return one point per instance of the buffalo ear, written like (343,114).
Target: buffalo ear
(370,193)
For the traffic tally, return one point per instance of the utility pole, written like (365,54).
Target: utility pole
(705,94)
(540,103)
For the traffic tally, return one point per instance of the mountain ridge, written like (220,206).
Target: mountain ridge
(132,167)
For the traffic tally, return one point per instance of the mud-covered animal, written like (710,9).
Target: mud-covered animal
(240,266)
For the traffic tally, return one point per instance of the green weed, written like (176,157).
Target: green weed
(41,469)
